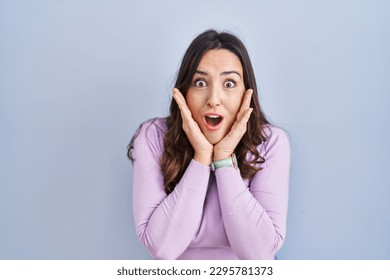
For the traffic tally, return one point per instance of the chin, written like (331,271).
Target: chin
(214,139)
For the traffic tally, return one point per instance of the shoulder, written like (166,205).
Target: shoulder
(277,141)
(150,135)
(274,135)
(154,127)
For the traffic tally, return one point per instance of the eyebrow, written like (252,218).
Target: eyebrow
(225,73)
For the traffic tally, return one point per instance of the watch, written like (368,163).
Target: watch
(226,162)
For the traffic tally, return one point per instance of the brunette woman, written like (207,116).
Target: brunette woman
(211,179)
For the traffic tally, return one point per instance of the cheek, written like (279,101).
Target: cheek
(235,104)
(192,98)
(193,104)
(189,102)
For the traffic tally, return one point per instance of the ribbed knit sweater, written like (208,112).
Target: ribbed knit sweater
(210,214)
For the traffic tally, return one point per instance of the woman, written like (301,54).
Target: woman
(211,179)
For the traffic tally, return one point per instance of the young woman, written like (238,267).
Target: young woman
(211,179)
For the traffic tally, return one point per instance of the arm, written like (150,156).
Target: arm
(255,217)
(165,224)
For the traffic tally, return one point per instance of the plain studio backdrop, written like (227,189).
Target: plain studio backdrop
(78,77)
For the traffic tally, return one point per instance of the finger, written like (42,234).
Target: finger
(245,103)
(179,98)
(247,115)
(240,125)
(248,98)
(185,113)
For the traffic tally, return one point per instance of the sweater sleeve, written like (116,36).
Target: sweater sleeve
(165,224)
(255,217)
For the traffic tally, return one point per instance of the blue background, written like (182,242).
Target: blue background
(78,77)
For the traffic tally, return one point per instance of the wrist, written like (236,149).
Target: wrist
(221,155)
(203,159)
(230,161)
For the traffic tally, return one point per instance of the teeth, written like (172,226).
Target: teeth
(213,119)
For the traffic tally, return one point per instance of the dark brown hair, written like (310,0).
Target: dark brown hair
(178,151)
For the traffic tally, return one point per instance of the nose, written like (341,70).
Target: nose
(214,98)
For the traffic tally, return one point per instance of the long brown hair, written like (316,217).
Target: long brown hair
(178,151)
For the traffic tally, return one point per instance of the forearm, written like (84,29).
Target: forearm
(255,226)
(172,224)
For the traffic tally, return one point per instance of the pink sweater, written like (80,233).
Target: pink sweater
(210,215)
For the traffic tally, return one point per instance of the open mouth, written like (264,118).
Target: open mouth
(213,120)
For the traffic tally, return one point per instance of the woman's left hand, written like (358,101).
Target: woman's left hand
(225,148)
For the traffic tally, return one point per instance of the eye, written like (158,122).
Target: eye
(200,83)
(229,84)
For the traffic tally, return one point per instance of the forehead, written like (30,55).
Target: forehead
(220,60)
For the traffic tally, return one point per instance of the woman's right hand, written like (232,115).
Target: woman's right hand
(203,150)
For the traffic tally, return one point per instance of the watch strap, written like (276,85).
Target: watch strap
(226,162)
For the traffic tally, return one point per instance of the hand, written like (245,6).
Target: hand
(225,148)
(203,150)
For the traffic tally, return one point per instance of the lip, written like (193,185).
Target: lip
(213,128)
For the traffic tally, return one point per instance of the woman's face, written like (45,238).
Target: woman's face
(216,93)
